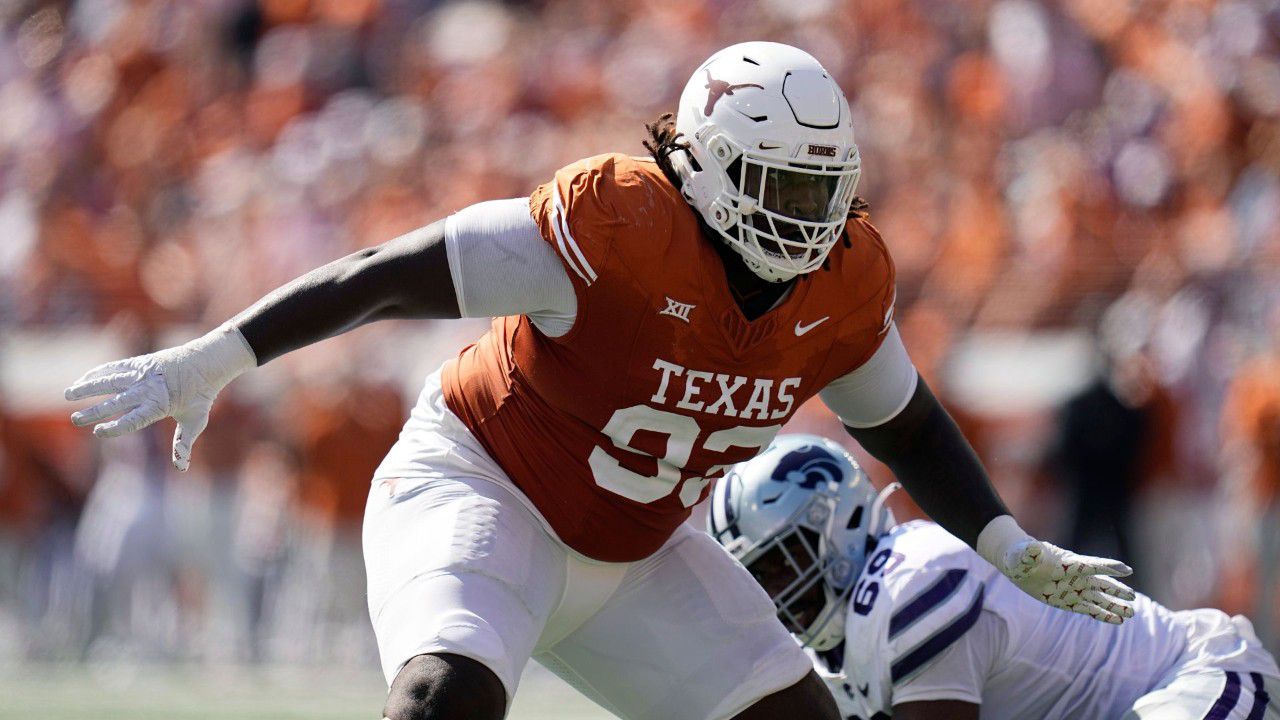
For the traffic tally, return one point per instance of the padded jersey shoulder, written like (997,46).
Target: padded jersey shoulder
(920,591)
(926,545)
(858,282)
(607,204)
(866,268)
(619,187)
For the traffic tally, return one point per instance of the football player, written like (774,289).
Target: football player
(658,320)
(909,622)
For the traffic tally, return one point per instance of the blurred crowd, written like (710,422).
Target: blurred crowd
(1082,198)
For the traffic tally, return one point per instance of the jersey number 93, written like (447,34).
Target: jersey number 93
(682,433)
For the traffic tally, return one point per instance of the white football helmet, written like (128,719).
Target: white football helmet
(771,162)
(802,517)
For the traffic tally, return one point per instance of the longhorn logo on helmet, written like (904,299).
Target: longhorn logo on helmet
(717,89)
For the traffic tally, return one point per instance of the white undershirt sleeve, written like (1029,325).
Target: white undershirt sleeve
(500,265)
(876,391)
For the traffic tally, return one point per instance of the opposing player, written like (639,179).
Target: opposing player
(658,321)
(909,622)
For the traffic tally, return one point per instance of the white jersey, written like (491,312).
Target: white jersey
(931,620)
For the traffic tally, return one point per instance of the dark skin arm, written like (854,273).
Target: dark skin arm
(930,457)
(936,710)
(407,277)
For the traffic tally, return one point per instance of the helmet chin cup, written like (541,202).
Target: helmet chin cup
(828,631)
(763,271)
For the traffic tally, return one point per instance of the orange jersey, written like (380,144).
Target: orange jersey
(616,429)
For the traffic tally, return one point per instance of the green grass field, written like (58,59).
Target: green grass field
(41,692)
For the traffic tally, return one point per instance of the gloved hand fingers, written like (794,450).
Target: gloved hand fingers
(101,385)
(1089,565)
(1106,603)
(132,421)
(125,401)
(1084,607)
(1115,588)
(109,368)
(190,426)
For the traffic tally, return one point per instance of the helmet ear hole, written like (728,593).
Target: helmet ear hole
(855,520)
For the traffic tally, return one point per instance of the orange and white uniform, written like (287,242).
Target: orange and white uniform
(662,383)
(534,503)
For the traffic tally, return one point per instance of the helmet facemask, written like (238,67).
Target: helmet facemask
(808,580)
(790,214)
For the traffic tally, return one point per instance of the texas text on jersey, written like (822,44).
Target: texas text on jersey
(662,383)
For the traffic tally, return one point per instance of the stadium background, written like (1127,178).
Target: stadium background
(1073,190)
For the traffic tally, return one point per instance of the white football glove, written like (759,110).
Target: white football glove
(180,382)
(1057,577)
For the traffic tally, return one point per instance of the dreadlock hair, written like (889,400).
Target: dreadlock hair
(664,139)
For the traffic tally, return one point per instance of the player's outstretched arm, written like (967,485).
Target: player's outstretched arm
(405,277)
(486,260)
(931,458)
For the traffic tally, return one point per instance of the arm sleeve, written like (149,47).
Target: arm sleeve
(878,389)
(500,265)
(960,672)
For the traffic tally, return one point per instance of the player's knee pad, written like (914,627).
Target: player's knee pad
(445,687)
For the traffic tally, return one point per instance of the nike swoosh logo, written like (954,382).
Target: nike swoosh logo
(802,329)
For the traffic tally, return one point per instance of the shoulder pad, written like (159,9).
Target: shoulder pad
(928,591)
(936,594)
(593,203)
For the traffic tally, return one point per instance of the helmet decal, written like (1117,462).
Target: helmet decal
(807,467)
(717,89)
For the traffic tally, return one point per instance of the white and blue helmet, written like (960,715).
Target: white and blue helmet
(802,517)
